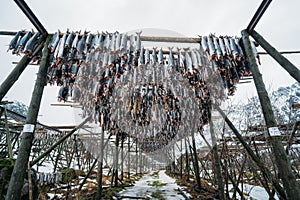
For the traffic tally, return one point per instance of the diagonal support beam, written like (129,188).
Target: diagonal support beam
(33,19)
(18,70)
(258,14)
(285,63)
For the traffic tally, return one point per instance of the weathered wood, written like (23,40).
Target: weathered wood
(100,163)
(285,63)
(129,161)
(8,141)
(196,163)
(116,163)
(170,39)
(19,171)
(283,164)
(289,144)
(35,161)
(254,157)
(187,163)
(217,161)
(17,71)
(281,52)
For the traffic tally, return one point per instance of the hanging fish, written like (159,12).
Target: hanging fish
(160,56)
(147,56)
(198,56)
(100,43)
(88,41)
(211,46)
(71,54)
(31,43)
(94,43)
(16,49)
(188,62)
(233,48)
(123,47)
(154,55)
(138,41)
(106,42)
(24,40)
(13,43)
(218,48)
(70,38)
(131,43)
(227,45)
(171,57)
(54,41)
(118,41)
(222,46)
(239,48)
(112,44)
(194,60)
(204,43)
(76,40)
(81,44)
(105,59)
(61,47)
(55,53)
(142,57)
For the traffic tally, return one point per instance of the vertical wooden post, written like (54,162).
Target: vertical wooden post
(17,71)
(61,140)
(128,164)
(19,171)
(255,158)
(117,159)
(196,163)
(187,163)
(140,161)
(9,147)
(136,156)
(283,164)
(217,161)
(122,157)
(181,159)
(285,63)
(100,164)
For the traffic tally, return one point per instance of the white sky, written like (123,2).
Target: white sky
(280,26)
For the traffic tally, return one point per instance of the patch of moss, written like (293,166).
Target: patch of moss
(109,193)
(68,174)
(80,172)
(158,195)
(157,184)
(155,174)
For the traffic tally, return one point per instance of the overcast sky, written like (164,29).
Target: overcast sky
(280,26)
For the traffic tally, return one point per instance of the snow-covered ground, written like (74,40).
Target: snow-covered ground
(254,192)
(145,187)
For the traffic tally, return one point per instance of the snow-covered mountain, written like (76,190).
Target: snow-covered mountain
(17,107)
(283,101)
